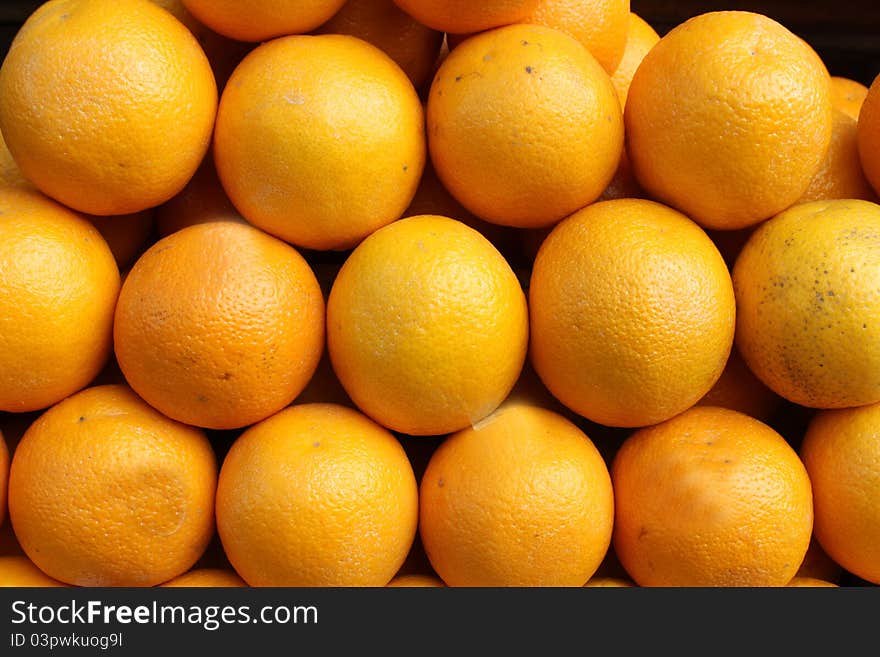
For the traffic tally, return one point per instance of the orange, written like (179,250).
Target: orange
(640,38)
(624,183)
(869,135)
(848,95)
(223,53)
(223,341)
(207,578)
(410,581)
(126,235)
(202,200)
(740,390)
(4,476)
(817,564)
(807,303)
(300,159)
(632,313)
(610,582)
(842,454)
(262,20)
(840,175)
(10,174)
(600,25)
(412,45)
(17,571)
(462,16)
(728,118)
(106,491)
(522,499)
(711,497)
(810,582)
(93,92)
(427,326)
(317,495)
(524,125)
(57,294)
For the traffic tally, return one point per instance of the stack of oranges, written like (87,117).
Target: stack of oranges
(434,293)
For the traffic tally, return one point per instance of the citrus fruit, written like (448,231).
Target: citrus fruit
(817,564)
(710,497)
(106,491)
(740,390)
(411,581)
(869,135)
(600,25)
(126,235)
(848,95)
(4,476)
(840,175)
(92,92)
(427,326)
(412,45)
(807,303)
(640,38)
(206,578)
(302,161)
(463,16)
(201,201)
(262,20)
(624,183)
(524,125)
(223,53)
(10,174)
(317,495)
(18,571)
(728,118)
(609,582)
(522,499)
(632,312)
(841,451)
(57,293)
(224,341)
(811,582)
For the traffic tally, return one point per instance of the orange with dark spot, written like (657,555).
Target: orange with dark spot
(223,341)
